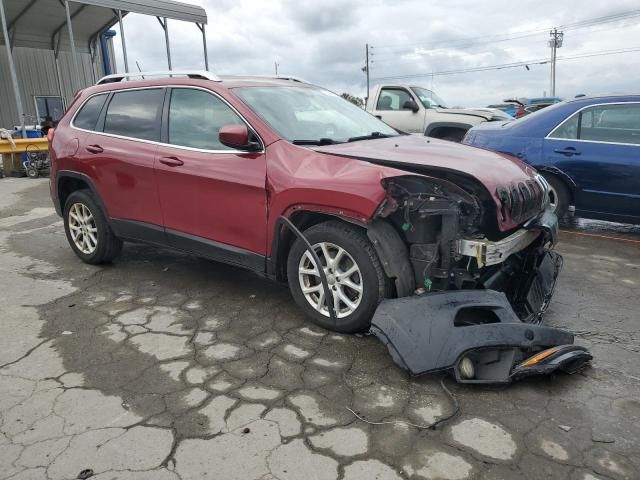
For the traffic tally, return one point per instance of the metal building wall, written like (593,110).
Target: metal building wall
(36,70)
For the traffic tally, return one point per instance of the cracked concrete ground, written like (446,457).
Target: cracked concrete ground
(165,366)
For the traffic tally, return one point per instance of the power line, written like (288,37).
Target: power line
(539,61)
(493,38)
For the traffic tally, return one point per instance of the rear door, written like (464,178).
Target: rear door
(389,109)
(213,197)
(121,153)
(599,148)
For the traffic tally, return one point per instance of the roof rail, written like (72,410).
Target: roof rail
(118,77)
(291,78)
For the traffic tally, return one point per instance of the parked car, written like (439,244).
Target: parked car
(510,107)
(496,113)
(415,109)
(587,148)
(535,104)
(211,165)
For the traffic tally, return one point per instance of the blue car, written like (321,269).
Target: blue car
(587,148)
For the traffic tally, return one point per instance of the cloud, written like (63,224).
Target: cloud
(324,42)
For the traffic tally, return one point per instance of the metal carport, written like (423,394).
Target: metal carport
(76,25)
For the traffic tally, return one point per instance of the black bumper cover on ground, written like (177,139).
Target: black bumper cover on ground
(442,330)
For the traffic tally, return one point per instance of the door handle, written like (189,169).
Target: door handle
(171,161)
(379,117)
(95,149)
(569,151)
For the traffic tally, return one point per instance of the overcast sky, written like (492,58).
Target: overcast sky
(324,41)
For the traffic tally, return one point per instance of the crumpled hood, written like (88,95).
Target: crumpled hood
(410,151)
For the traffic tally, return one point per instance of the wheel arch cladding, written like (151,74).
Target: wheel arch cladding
(394,256)
(283,238)
(68,182)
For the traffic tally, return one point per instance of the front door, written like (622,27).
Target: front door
(389,108)
(213,197)
(599,148)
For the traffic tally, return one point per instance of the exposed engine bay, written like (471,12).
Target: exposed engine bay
(469,296)
(453,242)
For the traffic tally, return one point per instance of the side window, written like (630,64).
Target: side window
(611,123)
(195,118)
(88,115)
(134,113)
(392,99)
(568,130)
(48,108)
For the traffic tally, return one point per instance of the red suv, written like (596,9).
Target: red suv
(209,165)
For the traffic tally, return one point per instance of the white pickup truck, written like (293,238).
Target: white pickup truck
(418,110)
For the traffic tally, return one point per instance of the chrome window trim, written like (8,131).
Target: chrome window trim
(577,112)
(153,142)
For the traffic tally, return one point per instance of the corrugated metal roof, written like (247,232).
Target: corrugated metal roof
(159,8)
(37,22)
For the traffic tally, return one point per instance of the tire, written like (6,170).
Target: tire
(369,277)
(559,194)
(33,172)
(105,245)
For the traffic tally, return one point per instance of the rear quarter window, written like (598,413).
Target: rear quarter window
(135,114)
(88,115)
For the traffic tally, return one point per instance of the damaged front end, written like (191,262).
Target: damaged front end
(481,293)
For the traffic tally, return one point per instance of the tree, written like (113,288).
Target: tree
(357,101)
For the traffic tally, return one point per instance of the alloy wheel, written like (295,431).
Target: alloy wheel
(82,226)
(343,276)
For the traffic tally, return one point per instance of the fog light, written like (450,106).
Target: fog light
(467,370)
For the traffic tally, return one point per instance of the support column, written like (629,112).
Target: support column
(76,80)
(124,43)
(165,27)
(204,44)
(56,53)
(12,69)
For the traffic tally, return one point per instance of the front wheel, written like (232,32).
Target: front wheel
(356,280)
(559,197)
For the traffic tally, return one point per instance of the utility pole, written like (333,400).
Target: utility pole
(366,70)
(555,42)
(276,64)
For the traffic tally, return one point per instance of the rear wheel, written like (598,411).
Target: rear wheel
(88,231)
(559,196)
(356,280)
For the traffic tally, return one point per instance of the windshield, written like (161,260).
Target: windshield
(312,115)
(428,98)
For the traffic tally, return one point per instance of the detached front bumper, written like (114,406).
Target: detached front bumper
(474,333)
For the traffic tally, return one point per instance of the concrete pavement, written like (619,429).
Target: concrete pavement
(165,366)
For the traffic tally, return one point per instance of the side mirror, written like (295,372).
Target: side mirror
(237,136)
(410,105)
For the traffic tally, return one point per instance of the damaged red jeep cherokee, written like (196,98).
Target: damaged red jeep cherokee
(444,251)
